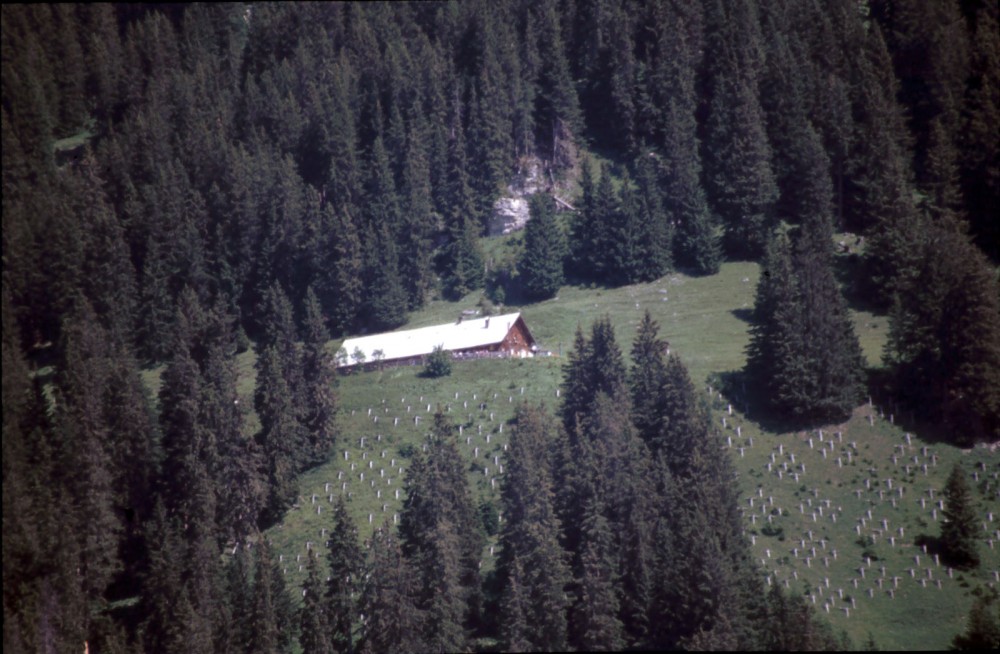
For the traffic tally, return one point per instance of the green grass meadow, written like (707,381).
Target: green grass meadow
(839,478)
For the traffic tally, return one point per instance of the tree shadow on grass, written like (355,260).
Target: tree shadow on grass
(746,315)
(908,413)
(854,283)
(737,389)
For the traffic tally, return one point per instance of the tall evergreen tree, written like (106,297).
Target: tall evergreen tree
(739,176)
(656,233)
(319,404)
(943,339)
(440,536)
(346,564)
(803,349)
(282,438)
(625,238)
(557,109)
(271,629)
(982,631)
(385,303)
(532,568)
(541,265)
(595,624)
(463,259)
(388,601)
(314,630)
(958,530)
(343,294)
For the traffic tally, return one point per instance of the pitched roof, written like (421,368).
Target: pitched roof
(478,332)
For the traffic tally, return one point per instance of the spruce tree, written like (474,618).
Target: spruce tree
(646,379)
(314,631)
(440,536)
(682,423)
(739,177)
(960,525)
(346,563)
(532,567)
(557,107)
(463,259)
(541,265)
(832,351)
(388,601)
(343,294)
(943,339)
(625,238)
(265,631)
(319,403)
(418,215)
(969,335)
(385,298)
(514,611)
(678,52)
(585,227)
(594,623)
(281,437)
(803,353)
(982,630)
(656,233)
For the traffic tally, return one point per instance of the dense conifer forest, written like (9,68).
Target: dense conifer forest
(183,183)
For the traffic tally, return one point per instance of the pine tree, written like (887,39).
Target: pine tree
(625,238)
(281,436)
(682,421)
(557,105)
(532,568)
(388,601)
(585,228)
(439,529)
(943,338)
(345,559)
(81,422)
(835,362)
(595,624)
(418,214)
(982,630)
(980,149)
(656,232)
(462,257)
(239,593)
(646,379)
(265,633)
(514,611)
(314,637)
(739,176)
(803,352)
(385,304)
(343,294)
(969,335)
(238,461)
(959,528)
(879,196)
(319,405)
(163,583)
(541,265)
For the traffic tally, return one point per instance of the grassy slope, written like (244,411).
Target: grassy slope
(703,320)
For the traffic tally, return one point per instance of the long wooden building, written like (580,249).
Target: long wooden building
(500,336)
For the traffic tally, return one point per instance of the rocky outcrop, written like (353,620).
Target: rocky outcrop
(510,211)
(509,215)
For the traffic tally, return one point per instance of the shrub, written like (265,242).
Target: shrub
(438,363)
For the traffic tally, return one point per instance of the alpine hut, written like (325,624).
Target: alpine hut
(492,336)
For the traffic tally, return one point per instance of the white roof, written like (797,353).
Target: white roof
(478,332)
